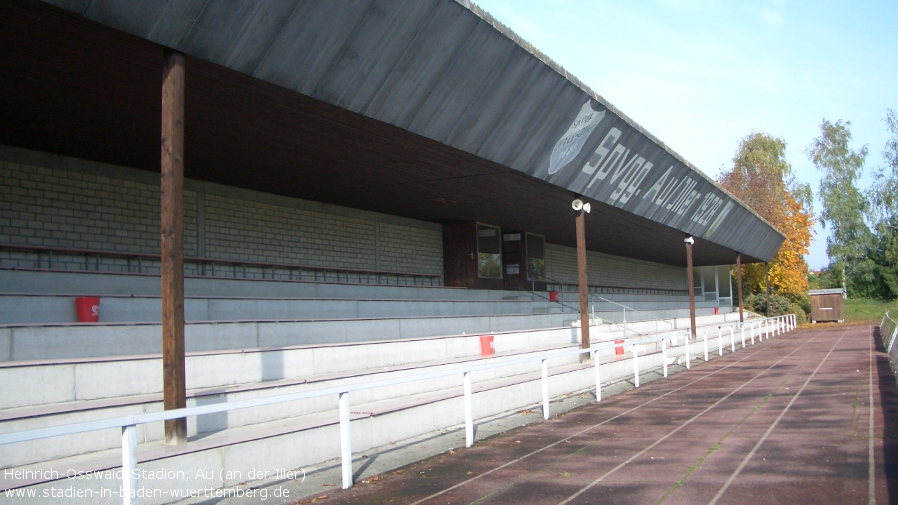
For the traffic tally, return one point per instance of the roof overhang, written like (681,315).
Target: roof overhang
(423,109)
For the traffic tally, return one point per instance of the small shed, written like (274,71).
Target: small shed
(827,305)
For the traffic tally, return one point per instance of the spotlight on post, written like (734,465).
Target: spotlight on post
(578,205)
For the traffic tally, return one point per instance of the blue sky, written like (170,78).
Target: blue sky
(702,74)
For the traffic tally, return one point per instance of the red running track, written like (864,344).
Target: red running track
(806,417)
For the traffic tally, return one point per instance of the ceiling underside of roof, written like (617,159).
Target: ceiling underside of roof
(82,89)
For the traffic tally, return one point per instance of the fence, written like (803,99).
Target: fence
(766,327)
(888,331)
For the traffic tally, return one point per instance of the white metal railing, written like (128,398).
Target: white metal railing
(888,330)
(128,424)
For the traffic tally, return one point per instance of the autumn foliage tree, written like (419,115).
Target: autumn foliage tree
(762,178)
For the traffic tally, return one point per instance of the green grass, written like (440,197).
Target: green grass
(868,311)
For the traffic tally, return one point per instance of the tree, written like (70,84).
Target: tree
(844,206)
(884,213)
(762,178)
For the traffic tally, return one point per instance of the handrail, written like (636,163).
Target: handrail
(611,289)
(129,423)
(634,310)
(600,288)
(888,332)
(533,274)
(212,261)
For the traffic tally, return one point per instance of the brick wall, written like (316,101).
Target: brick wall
(53,201)
(607,270)
(48,200)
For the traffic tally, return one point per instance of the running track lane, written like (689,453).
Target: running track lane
(785,421)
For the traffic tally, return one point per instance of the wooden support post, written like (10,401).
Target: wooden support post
(691,285)
(739,284)
(767,285)
(581,280)
(173,370)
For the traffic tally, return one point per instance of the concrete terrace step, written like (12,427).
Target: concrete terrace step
(23,308)
(70,412)
(312,438)
(74,340)
(306,437)
(252,373)
(82,283)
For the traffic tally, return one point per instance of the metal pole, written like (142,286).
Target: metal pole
(129,465)
(719,341)
(688,355)
(767,285)
(635,365)
(742,327)
(345,442)
(581,279)
(172,254)
(691,285)
(545,385)
(739,284)
(469,414)
(732,340)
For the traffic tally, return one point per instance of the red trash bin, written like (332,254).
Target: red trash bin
(88,309)
(553,296)
(620,349)
(486,345)
(716,310)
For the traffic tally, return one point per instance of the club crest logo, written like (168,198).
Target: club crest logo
(569,145)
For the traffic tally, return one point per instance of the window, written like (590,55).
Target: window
(489,252)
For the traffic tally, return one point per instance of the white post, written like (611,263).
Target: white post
(545,389)
(751,332)
(345,443)
(635,365)
(706,346)
(595,357)
(742,328)
(129,465)
(732,339)
(664,355)
(469,414)
(688,357)
(719,341)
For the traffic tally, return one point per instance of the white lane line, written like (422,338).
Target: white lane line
(590,428)
(665,437)
(748,457)
(871,470)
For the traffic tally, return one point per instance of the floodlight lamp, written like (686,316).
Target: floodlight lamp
(689,240)
(586,207)
(577,204)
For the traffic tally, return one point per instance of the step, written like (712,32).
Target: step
(306,440)
(25,342)
(20,308)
